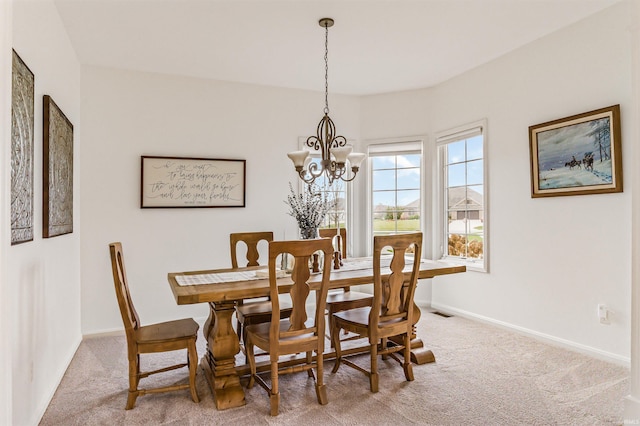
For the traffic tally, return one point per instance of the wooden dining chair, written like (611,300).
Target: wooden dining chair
(251,311)
(161,337)
(300,332)
(392,311)
(342,299)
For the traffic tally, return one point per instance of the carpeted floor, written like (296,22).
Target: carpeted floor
(483,375)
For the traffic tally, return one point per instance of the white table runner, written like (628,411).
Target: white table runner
(227,277)
(221,277)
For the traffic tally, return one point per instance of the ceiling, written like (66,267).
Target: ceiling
(374,46)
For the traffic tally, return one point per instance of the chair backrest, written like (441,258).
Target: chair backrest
(393,296)
(333,233)
(251,239)
(301,250)
(127,310)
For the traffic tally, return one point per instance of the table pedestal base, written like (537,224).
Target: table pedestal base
(227,391)
(219,362)
(421,355)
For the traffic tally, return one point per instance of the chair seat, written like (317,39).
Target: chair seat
(252,309)
(351,299)
(167,331)
(360,317)
(260,334)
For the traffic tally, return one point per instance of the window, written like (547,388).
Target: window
(463,197)
(336,191)
(396,187)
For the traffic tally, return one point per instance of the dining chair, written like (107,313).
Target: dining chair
(154,338)
(342,299)
(392,311)
(252,311)
(303,330)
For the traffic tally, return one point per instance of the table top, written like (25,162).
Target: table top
(237,290)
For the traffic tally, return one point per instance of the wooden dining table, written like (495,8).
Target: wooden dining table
(223,288)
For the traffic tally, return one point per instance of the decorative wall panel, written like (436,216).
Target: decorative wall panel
(57,173)
(22,122)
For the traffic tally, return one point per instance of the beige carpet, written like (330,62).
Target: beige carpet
(483,375)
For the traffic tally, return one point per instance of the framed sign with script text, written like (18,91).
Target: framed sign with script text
(179,182)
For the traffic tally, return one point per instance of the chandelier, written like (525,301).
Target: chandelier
(335,151)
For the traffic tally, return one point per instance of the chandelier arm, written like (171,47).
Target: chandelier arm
(314,172)
(306,180)
(350,179)
(338,141)
(314,142)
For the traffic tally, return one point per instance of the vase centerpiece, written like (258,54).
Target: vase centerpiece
(309,209)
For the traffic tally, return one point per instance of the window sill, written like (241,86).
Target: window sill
(472,265)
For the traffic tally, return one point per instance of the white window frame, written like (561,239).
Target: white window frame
(440,205)
(394,146)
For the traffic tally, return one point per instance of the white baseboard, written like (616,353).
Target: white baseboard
(425,304)
(37,417)
(587,350)
(104,332)
(631,410)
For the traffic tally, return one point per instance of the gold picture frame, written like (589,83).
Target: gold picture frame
(577,155)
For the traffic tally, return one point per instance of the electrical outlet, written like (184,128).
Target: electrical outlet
(603,314)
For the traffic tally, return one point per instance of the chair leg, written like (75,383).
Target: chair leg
(244,341)
(192,361)
(373,377)
(407,366)
(252,363)
(383,346)
(274,400)
(321,388)
(134,375)
(331,325)
(335,338)
(274,395)
(309,361)
(239,330)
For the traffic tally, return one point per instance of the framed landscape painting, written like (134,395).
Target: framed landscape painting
(577,155)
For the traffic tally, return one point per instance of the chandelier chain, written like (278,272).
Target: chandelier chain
(326,69)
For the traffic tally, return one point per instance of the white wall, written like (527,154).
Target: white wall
(571,253)
(552,259)
(6,318)
(129,114)
(45,273)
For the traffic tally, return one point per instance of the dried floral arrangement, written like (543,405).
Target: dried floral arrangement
(309,207)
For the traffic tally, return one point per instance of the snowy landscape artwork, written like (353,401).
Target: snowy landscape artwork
(577,155)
